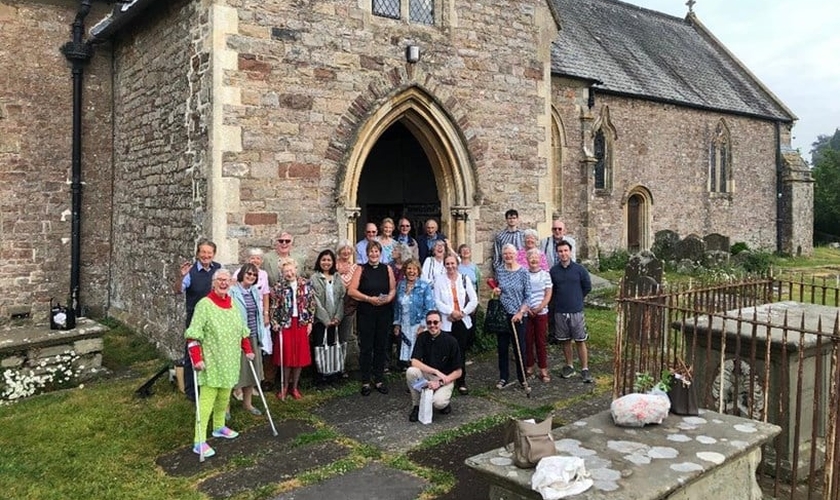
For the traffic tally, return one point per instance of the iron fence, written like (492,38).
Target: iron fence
(766,348)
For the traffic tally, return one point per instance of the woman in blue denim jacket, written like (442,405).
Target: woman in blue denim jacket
(413,300)
(248,299)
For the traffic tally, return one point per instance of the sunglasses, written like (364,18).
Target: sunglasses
(405,225)
(556,228)
(249,273)
(433,322)
(284,241)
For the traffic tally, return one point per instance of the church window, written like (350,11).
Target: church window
(603,136)
(415,11)
(600,160)
(720,160)
(421,11)
(387,8)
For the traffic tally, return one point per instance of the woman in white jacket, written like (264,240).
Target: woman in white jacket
(456,299)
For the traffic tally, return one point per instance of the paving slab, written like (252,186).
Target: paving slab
(373,482)
(255,442)
(381,420)
(273,468)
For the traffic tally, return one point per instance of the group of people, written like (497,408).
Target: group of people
(419,295)
(541,289)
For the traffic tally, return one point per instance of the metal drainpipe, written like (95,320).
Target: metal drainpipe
(78,54)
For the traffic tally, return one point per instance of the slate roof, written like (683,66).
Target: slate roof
(640,52)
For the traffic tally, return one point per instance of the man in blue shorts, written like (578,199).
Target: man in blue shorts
(570,284)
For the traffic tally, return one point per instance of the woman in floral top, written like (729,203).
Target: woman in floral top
(293,311)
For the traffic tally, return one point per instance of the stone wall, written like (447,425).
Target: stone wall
(162,102)
(312,74)
(665,148)
(35,160)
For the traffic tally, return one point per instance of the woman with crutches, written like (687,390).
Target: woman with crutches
(513,287)
(215,338)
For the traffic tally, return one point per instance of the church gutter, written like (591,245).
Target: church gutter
(78,54)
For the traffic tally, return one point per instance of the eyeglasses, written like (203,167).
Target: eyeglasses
(405,225)
(432,322)
(222,280)
(249,273)
(284,241)
(556,228)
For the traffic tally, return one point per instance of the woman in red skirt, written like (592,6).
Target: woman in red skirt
(292,313)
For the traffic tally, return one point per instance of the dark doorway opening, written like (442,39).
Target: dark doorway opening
(634,223)
(397,181)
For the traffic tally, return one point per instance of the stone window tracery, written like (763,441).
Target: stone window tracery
(720,160)
(603,136)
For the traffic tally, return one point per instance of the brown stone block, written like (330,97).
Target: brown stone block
(324,74)
(300,171)
(249,62)
(260,219)
(296,101)
(371,63)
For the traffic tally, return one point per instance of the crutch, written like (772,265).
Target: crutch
(262,396)
(198,416)
(519,355)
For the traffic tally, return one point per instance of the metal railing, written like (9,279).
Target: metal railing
(766,348)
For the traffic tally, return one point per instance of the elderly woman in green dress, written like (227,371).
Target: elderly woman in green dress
(215,338)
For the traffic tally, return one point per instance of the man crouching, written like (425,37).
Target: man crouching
(436,358)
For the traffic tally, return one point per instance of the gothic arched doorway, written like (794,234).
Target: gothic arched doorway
(637,216)
(409,144)
(397,181)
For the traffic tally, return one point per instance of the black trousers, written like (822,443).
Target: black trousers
(462,335)
(374,329)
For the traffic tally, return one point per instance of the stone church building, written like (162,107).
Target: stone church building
(128,130)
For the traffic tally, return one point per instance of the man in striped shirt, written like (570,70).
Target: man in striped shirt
(511,234)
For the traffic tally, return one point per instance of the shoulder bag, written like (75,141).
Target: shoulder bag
(531,441)
(495,319)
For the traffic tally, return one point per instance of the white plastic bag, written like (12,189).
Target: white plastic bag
(426,408)
(265,340)
(560,477)
(636,410)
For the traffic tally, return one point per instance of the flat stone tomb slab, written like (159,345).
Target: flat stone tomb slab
(645,463)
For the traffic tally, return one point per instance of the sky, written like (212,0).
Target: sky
(792,46)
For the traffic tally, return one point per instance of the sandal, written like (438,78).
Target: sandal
(544,376)
(382,388)
(502,384)
(365,390)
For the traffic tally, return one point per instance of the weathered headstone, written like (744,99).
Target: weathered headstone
(642,275)
(716,242)
(690,248)
(664,244)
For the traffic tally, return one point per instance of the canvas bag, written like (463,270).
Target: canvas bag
(532,441)
(329,358)
(495,319)
(426,409)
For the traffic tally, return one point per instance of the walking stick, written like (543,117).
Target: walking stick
(198,416)
(262,396)
(519,357)
(282,371)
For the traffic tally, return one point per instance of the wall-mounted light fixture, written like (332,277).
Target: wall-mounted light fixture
(412,54)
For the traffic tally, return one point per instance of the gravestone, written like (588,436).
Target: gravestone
(642,275)
(690,248)
(664,244)
(716,242)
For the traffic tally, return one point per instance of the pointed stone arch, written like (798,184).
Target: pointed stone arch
(604,135)
(438,133)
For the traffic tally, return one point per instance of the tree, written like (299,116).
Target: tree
(826,172)
(823,143)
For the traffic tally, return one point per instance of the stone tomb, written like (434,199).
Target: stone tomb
(708,456)
(38,350)
(783,374)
